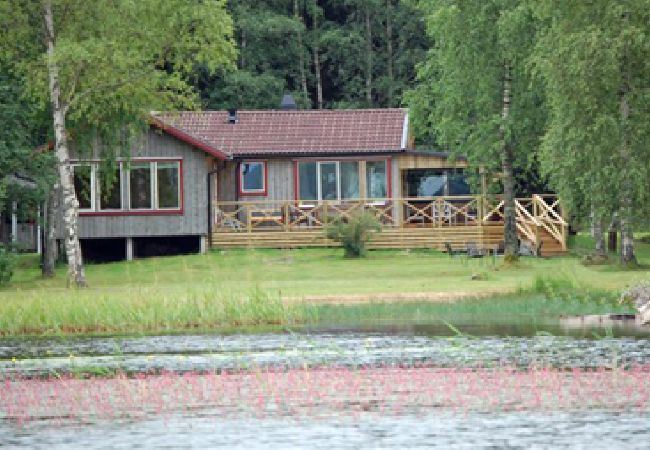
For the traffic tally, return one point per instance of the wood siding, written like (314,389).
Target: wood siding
(426,161)
(193,221)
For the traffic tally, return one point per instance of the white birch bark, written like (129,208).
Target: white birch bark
(509,212)
(70,205)
(51,210)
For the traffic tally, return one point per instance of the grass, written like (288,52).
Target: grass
(246,288)
(146,310)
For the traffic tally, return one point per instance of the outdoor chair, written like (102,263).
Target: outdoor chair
(474,251)
(450,250)
(526,248)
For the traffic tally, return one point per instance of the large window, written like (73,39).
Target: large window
(140,186)
(136,186)
(110,187)
(83,178)
(168,185)
(436,182)
(376,179)
(252,178)
(340,180)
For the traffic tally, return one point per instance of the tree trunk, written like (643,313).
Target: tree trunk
(301,55)
(509,212)
(242,50)
(319,82)
(389,49)
(51,251)
(626,211)
(368,58)
(70,208)
(628,256)
(599,236)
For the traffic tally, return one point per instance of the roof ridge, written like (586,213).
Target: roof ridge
(268,111)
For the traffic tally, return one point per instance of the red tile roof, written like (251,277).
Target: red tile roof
(291,132)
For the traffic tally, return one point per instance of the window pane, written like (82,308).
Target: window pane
(140,186)
(307,181)
(111,189)
(168,192)
(82,187)
(458,184)
(328,181)
(349,179)
(376,179)
(252,175)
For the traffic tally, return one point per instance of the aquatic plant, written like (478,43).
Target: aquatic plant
(322,391)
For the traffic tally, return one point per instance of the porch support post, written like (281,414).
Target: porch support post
(39,242)
(14,222)
(203,246)
(129,249)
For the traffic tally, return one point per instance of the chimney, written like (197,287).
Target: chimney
(232,115)
(288,103)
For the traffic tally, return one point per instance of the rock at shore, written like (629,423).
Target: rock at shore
(640,297)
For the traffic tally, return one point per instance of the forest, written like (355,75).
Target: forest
(545,94)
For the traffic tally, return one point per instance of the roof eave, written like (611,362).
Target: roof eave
(188,139)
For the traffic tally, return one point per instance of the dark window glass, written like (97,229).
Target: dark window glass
(328,189)
(307,181)
(140,186)
(252,177)
(82,186)
(458,184)
(111,189)
(168,183)
(376,183)
(425,182)
(349,179)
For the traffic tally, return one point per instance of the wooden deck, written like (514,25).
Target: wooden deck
(407,223)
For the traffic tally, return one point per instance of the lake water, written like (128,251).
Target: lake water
(428,425)
(595,430)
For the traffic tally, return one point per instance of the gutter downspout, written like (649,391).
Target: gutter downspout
(210,218)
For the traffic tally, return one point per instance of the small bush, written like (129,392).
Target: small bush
(7,265)
(353,232)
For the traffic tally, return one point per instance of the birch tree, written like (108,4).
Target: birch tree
(102,66)
(479,98)
(594,59)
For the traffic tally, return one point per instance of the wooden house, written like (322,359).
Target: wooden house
(274,179)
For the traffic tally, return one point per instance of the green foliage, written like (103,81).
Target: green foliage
(458,100)
(22,130)
(7,265)
(366,50)
(592,58)
(353,232)
(117,60)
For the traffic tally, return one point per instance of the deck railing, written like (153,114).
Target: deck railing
(539,212)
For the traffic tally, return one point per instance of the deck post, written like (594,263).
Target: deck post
(203,244)
(287,219)
(39,242)
(14,222)
(129,249)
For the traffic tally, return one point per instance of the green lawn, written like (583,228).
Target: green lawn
(246,287)
(297,273)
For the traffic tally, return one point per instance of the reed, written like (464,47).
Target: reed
(144,310)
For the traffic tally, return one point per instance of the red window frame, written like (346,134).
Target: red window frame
(389,172)
(265,178)
(147,212)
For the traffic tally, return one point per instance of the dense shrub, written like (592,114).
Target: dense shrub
(353,232)
(7,265)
